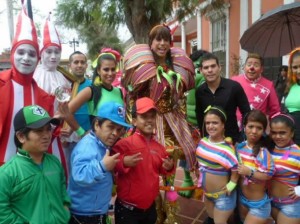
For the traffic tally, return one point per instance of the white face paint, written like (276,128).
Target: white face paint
(25,59)
(51,57)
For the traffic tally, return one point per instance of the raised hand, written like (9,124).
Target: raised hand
(244,170)
(132,160)
(168,163)
(62,110)
(110,161)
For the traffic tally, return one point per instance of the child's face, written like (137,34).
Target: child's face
(108,132)
(145,122)
(37,141)
(254,131)
(281,134)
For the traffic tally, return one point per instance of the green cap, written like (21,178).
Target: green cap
(33,117)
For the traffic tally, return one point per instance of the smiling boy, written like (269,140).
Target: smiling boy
(142,159)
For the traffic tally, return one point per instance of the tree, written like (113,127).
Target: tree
(98,36)
(139,15)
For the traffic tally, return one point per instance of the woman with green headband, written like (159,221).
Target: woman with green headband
(218,164)
(100,92)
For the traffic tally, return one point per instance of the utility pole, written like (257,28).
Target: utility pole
(10,19)
(74,43)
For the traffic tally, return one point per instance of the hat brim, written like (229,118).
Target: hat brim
(43,122)
(144,110)
(124,124)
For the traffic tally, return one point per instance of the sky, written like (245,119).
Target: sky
(43,10)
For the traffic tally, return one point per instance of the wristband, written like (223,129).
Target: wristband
(297,191)
(80,131)
(230,186)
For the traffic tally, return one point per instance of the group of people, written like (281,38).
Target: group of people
(260,158)
(255,172)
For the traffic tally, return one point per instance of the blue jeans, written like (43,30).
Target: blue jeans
(290,210)
(224,202)
(260,208)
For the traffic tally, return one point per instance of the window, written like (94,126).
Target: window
(219,34)
(218,43)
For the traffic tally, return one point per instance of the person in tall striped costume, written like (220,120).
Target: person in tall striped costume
(285,189)
(163,73)
(218,164)
(256,167)
(17,86)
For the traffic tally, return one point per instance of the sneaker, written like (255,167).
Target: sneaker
(208,220)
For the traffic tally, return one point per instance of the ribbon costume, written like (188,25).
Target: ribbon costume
(17,89)
(166,86)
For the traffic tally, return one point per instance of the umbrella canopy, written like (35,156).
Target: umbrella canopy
(274,34)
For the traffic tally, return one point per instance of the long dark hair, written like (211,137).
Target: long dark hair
(102,57)
(264,141)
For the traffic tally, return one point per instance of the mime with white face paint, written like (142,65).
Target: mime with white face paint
(49,78)
(17,86)
(46,74)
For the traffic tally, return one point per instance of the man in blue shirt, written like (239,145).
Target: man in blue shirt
(77,65)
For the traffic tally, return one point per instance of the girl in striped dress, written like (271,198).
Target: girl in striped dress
(256,168)
(218,167)
(286,155)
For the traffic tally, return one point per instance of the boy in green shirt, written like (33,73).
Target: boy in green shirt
(32,188)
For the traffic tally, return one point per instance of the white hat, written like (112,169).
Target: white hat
(50,35)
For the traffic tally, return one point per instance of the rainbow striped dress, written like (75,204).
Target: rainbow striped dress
(287,164)
(263,162)
(218,158)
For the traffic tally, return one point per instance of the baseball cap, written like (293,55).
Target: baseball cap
(144,104)
(114,112)
(33,117)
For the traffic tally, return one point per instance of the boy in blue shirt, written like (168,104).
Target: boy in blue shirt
(91,181)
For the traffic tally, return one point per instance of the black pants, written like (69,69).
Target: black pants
(130,215)
(94,219)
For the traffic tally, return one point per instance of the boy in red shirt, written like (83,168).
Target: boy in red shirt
(142,160)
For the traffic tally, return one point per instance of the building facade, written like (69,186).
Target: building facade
(219,31)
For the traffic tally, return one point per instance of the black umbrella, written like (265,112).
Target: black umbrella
(274,34)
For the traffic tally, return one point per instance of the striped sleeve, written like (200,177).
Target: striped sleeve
(265,162)
(216,156)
